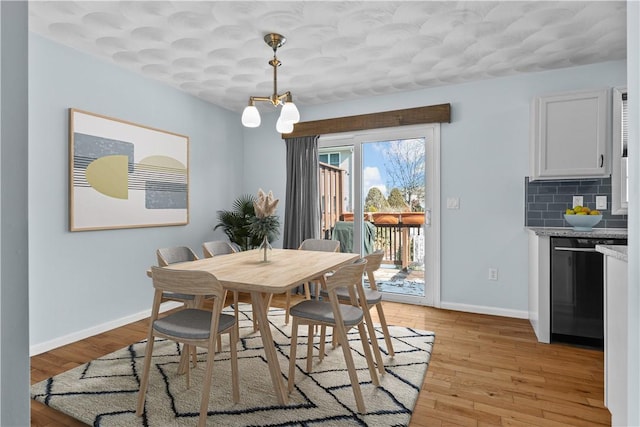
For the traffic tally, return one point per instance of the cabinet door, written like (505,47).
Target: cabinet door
(570,135)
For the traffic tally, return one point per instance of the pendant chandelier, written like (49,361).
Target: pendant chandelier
(289,114)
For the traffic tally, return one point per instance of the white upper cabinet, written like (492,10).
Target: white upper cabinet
(569,135)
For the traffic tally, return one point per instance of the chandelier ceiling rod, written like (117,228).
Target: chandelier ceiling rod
(289,114)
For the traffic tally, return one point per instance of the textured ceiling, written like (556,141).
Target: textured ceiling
(335,51)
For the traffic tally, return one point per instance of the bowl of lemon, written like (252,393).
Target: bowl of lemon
(581,218)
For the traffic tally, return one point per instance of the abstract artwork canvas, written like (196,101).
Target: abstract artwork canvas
(125,175)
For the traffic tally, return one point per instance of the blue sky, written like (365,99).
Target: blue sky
(374,173)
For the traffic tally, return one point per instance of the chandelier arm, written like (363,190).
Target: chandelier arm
(260,98)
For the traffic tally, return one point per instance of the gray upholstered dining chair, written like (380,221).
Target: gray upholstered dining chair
(221,247)
(367,298)
(192,327)
(341,317)
(320,245)
(172,255)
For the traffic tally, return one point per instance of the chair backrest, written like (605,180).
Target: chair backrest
(175,254)
(191,282)
(320,245)
(347,276)
(217,247)
(374,260)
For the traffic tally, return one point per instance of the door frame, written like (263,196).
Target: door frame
(431,134)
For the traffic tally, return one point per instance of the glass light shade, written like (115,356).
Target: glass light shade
(251,116)
(284,127)
(290,113)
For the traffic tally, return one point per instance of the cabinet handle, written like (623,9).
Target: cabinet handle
(601,160)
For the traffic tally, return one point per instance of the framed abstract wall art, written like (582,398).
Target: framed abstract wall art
(125,175)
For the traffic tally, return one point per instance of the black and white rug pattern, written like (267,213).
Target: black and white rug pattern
(103,392)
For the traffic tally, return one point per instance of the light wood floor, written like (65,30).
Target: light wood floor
(484,371)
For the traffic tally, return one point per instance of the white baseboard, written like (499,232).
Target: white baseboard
(494,311)
(95,330)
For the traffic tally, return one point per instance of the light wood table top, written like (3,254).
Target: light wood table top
(286,268)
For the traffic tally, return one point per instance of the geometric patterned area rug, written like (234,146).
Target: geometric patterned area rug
(103,392)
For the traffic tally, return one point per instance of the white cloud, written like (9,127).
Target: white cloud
(371,178)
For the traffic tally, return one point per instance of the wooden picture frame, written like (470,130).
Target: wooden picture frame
(125,175)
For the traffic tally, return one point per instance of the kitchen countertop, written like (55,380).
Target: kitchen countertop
(609,233)
(615,251)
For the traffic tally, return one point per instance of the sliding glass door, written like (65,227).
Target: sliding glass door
(379,191)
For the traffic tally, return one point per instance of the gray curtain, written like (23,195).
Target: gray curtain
(302,207)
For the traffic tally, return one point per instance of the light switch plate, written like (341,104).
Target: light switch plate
(577,201)
(601,202)
(453,203)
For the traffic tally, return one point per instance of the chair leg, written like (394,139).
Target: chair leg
(292,354)
(145,376)
(351,368)
(206,386)
(287,306)
(385,330)
(235,380)
(255,319)
(307,291)
(194,355)
(187,374)
(367,354)
(235,312)
(373,339)
(310,349)
(323,337)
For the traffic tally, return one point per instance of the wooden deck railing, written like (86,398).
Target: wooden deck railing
(331,196)
(397,240)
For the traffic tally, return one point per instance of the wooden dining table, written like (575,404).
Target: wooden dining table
(284,270)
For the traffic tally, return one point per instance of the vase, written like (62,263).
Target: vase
(265,248)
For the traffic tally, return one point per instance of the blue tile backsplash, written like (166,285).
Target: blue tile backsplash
(546,201)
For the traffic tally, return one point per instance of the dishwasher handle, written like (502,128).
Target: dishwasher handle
(557,248)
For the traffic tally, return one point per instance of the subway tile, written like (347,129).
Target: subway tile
(552,215)
(555,223)
(545,198)
(573,190)
(538,206)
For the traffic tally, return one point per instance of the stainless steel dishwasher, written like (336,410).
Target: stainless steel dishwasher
(577,290)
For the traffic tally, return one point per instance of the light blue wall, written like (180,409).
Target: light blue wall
(81,280)
(484,161)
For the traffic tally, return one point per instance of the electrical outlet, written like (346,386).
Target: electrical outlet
(577,201)
(601,202)
(493,274)
(453,203)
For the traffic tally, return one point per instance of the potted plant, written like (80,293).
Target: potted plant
(235,223)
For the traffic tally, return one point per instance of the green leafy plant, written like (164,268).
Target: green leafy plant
(236,223)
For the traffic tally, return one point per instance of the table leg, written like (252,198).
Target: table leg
(269,348)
